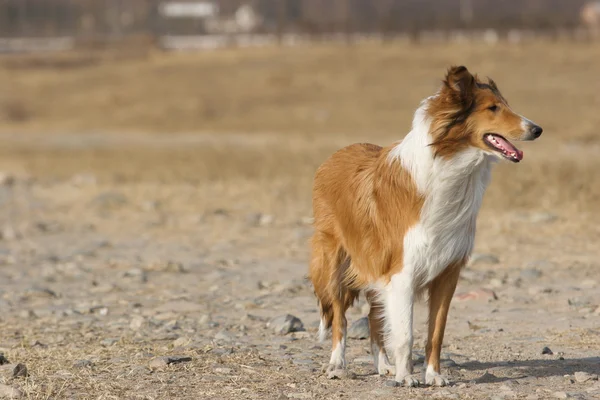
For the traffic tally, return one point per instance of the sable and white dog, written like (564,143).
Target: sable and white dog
(400,221)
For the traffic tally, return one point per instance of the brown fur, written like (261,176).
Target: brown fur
(362,209)
(364,203)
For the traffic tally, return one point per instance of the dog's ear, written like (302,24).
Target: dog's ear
(459,87)
(460,80)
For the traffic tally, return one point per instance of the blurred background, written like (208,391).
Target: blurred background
(265,89)
(145,139)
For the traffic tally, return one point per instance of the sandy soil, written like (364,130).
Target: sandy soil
(99,278)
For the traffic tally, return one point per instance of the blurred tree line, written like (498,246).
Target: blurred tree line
(388,17)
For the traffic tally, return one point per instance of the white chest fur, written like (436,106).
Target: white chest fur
(453,189)
(446,230)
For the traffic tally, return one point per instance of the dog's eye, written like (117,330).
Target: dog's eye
(493,108)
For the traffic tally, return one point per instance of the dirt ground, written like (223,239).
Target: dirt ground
(130,234)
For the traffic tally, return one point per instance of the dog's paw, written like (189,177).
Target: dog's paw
(327,368)
(435,379)
(409,381)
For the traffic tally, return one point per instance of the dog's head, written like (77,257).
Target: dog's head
(470,113)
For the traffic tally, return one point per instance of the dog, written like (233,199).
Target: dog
(397,222)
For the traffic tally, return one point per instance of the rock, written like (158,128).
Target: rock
(530,273)
(542,217)
(546,350)
(284,324)
(83,364)
(7,179)
(479,294)
(158,363)
(9,233)
(307,220)
(392,383)
(13,370)
(535,290)
(109,342)
(41,292)
(180,342)
(109,200)
(260,219)
(341,374)
(140,370)
(223,335)
(84,179)
(486,378)
(560,395)
(224,371)
(137,322)
(581,376)
(477,258)
(3,360)
(161,362)
(359,329)
(9,392)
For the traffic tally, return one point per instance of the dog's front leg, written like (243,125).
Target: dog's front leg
(399,299)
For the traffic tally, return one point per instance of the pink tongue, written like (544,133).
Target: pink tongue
(509,147)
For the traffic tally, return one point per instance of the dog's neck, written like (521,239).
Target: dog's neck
(430,173)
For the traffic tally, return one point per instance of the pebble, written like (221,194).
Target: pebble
(392,383)
(486,378)
(3,359)
(136,322)
(477,258)
(13,370)
(560,395)
(546,350)
(161,362)
(284,324)
(223,335)
(180,342)
(9,392)
(222,370)
(531,273)
(109,200)
(479,294)
(582,376)
(109,342)
(341,374)
(542,217)
(83,364)
(359,329)
(307,220)
(6,178)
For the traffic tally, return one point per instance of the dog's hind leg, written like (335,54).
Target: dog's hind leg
(380,358)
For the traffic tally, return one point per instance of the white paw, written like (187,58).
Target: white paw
(434,378)
(409,381)
(332,367)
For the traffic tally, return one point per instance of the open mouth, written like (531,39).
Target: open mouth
(503,146)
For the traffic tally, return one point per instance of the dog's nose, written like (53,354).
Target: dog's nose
(536,131)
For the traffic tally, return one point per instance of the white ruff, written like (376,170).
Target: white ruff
(453,190)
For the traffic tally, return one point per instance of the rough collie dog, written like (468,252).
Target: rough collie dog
(399,221)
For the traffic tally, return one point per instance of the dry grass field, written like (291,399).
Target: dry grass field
(155,204)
